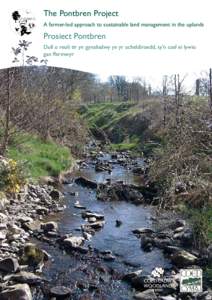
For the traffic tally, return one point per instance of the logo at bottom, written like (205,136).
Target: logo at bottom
(190,280)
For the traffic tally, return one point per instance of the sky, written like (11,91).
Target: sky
(148,64)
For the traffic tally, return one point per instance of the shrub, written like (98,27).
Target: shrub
(201,224)
(12,176)
(184,158)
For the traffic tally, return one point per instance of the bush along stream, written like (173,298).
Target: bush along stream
(99,237)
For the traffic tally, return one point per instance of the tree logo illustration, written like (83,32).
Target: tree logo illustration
(23,22)
(157,272)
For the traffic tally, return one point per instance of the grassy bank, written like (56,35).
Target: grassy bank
(42,158)
(126,124)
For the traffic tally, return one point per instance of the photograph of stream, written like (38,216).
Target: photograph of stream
(105,186)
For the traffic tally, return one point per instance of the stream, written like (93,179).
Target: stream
(89,275)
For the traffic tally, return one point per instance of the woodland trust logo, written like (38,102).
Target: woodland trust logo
(190,280)
(23,22)
(157,272)
(157,280)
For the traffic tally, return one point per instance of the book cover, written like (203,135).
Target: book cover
(105,150)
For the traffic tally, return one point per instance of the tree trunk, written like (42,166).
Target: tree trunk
(177,98)
(197,87)
(7,118)
(210,89)
(164,100)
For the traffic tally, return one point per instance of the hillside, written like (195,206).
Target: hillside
(127,125)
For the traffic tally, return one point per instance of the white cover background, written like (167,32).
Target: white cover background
(149,64)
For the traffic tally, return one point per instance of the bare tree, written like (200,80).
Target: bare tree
(6,120)
(210,89)
(165,92)
(120,84)
(178,97)
(197,92)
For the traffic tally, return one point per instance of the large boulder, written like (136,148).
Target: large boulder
(26,277)
(94,225)
(55,195)
(16,292)
(143,230)
(42,210)
(146,295)
(137,281)
(3,234)
(49,226)
(73,242)
(147,243)
(183,258)
(129,276)
(119,192)
(9,265)
(91,227)
(24,219)
(162,243)
(78,205)
(60,292)
(48,180)
(88,214)
(14,229)
(32,226)
(86,182)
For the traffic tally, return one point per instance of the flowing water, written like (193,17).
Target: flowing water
(85,273)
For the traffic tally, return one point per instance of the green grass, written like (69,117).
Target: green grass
(124,146)
(104,115)
(42,158)
(117,119)
(124,123)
